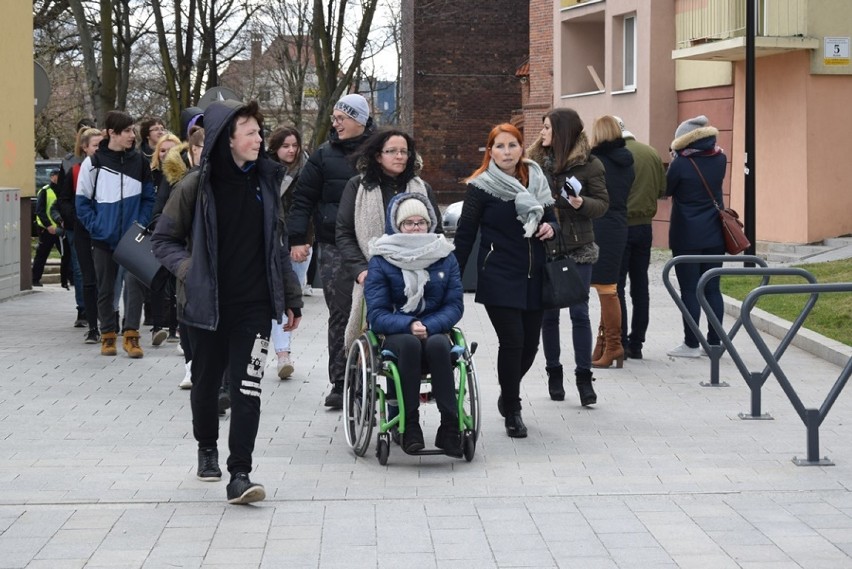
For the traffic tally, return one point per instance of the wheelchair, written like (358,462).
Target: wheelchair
(369,367)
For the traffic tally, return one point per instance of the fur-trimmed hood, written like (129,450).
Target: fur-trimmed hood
(693,136)
(174,166)
(579,154)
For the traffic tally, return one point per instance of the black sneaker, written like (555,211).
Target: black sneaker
(173,338)
(81,321)
(208,465)
(224,401)
(241,490)
(334,399)
(92,336)
(158,336)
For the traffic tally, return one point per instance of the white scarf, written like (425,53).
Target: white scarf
(412,253)
(529,202)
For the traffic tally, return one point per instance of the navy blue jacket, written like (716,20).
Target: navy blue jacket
(694,219)
(510,265)
(440,309)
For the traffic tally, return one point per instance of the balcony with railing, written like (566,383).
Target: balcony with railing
(716,29)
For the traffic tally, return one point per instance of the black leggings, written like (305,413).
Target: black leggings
(415,355)
(518,332)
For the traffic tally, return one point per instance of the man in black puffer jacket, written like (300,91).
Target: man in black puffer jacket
(317,195)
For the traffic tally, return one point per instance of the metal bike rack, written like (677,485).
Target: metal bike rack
(812,418)
(713,352)
(754,380)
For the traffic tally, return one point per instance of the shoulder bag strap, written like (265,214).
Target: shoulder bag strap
(703,181)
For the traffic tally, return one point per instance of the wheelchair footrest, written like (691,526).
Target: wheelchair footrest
(425,451)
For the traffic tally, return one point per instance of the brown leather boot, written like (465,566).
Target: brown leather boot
(108,344)
(600,343)
(611,317)
(131,344)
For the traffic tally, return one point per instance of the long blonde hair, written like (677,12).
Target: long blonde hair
(155,159)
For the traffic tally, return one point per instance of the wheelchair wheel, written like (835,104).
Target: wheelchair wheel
(470,404)
(359,395)
(383,449)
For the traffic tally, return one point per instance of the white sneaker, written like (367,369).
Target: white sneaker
(179,349)
(285,367)
(307,290)
(684,351)
(186,382)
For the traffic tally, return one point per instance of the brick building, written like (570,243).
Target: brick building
(459,64)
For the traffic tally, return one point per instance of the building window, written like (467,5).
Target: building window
(583,48)
(629,61)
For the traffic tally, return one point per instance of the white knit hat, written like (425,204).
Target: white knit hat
(355,106)
(624,132)
(410,207)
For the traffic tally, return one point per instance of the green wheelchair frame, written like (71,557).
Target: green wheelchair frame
(367,362)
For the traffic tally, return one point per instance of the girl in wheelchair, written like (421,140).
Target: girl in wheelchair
(414,297)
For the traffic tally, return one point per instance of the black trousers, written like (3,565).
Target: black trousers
(414,356)
(83,246)
(337,292)
(518,332)
(46,242)
(634,264)
(240,345)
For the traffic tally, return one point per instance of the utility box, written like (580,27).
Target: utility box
(10,242)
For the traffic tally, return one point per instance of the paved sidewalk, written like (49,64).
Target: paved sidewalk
(97,465)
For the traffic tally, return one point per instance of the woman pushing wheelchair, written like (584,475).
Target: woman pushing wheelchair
(414,297)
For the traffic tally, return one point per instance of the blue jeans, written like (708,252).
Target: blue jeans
(581,330)
(688,275)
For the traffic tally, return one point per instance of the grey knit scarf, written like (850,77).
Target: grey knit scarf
(529,202)
(412,253)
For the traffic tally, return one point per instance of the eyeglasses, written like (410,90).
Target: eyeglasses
(396,152)
(409,224)
(337,118)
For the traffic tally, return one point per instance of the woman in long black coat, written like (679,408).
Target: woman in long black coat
(611,237)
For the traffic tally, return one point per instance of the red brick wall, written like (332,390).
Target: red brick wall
(541,67)
(461,77)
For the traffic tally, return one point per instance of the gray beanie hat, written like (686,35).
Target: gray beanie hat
(691,130)
(355,106)
(409,207)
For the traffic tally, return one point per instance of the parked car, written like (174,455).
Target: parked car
(42,172)
(450,219)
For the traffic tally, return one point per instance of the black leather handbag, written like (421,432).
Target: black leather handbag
(134,254)
(561,284)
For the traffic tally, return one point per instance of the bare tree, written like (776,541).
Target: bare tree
(193,38)
(338,52)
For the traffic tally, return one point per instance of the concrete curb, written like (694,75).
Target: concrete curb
(818,345)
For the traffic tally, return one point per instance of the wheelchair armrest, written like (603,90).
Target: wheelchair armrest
(388,356)
(456,353)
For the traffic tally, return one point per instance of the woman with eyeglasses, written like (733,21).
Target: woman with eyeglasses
(389,165)
(508,202)
(414,297)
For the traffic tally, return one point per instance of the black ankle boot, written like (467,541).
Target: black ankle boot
(515,427)
(584,387)
(554,383)
(412,438)
(448,437)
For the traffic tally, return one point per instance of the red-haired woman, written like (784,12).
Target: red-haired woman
(509,202)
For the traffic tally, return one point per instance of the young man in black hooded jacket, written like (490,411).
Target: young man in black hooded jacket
(222,235)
